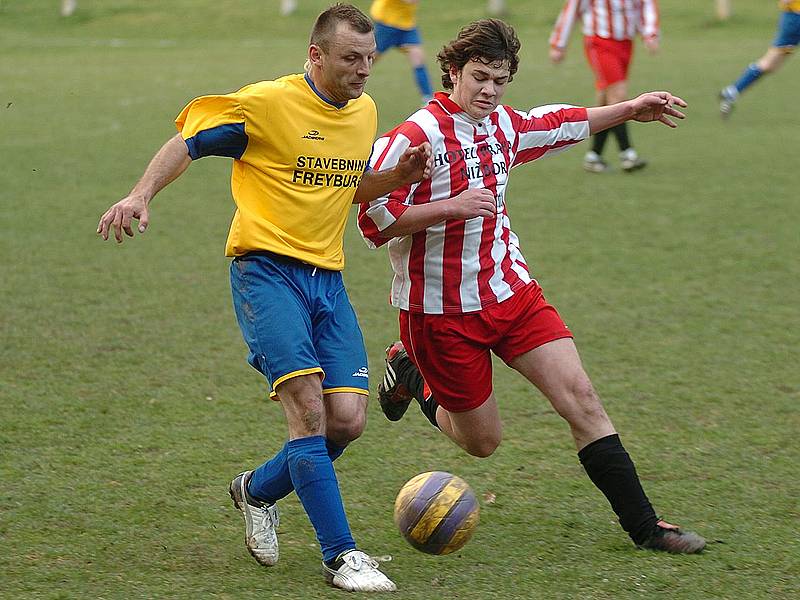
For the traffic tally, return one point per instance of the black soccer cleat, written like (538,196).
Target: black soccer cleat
(672,539)
(394,396)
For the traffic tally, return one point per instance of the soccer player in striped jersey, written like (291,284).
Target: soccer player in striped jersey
(396,27)
(786,40)
(301,145)
(462,285)
(609,27)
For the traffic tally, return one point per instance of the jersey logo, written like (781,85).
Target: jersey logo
(362,372)
(313,135)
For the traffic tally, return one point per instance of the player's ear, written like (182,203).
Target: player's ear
(315,55)
(453,74)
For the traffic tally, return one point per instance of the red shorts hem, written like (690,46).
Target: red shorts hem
(608,59)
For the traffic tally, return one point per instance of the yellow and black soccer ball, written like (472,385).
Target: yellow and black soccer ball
(436,512)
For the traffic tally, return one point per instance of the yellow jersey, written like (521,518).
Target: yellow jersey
(790,5)
(298,161)
(395,13)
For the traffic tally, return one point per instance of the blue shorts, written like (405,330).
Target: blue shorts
(388,37)
(788,30)
(298,320)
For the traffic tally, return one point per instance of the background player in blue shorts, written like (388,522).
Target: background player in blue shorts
(396,27)
(786,40)
(301,145)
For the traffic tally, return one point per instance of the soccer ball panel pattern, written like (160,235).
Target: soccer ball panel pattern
(436,512)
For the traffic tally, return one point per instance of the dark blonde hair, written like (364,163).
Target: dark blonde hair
(488,41)
(325,25)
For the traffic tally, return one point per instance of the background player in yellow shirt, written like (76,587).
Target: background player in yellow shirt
(396,27)
(786,40)
(301,145)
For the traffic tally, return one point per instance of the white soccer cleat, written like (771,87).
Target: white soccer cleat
(727,100)
(354,571)
(594,163)
(631,161)
(260,521)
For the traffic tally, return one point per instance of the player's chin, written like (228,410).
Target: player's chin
(356,89)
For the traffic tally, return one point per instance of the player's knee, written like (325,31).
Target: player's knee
(344,432)
(581,405)
(345,426)
(484,446)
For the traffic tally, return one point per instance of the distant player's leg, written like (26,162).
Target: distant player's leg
(555,368)
(786,40)
(615,60)
(288,7)
(723,9)
(496,8)
(593,161)
(68,7)
(416,57)
(629,159)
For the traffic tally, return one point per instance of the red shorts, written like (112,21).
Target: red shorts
(453,352)
(609,59)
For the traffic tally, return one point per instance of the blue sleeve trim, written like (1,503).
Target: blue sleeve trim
(369,160)
(223,140)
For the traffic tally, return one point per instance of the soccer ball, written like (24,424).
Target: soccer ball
(436,512)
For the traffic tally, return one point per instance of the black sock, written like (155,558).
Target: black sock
(611,470)
(621,133)
(599,141)
(408,374)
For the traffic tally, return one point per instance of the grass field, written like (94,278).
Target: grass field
(126,404)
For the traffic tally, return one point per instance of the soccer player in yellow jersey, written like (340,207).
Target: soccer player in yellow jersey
(301,145)
(786,40)
(396,27)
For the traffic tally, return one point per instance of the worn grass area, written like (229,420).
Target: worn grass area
(126,405)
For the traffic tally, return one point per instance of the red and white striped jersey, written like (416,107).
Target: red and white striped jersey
(460,266)
(610,19)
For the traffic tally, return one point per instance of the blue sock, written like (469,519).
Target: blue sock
(271,481)
(423,83)
(316,485)
(748,78)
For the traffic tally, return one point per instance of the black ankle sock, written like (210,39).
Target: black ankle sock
(599,141)
(611,469)
(621,133)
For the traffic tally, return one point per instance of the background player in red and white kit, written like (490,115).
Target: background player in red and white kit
(609,27)
(462,285)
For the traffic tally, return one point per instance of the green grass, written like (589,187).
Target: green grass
(126,404)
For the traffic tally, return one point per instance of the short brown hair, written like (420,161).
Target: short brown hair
(487,40)
(325,25)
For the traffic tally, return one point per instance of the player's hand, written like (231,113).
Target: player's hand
(416,163)
(119,217)
(473,203)
(657,106)
(557,55)
(651,43)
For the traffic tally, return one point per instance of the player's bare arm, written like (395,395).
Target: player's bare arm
(168,163)
(414,165)
(652,106)
(468,204)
